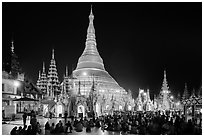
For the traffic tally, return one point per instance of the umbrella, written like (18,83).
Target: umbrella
(25,99)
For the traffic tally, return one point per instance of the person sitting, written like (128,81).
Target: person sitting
(61,128)
(81,120)
(23,131)
(91,122)
(79,127)
(29,130)
(118,127)
(85,120)
(14,131)
(75,122)
(52,128)
(47,128)
(56,128)
(38,128)
(103,125)
(19,130)
(142,129)
(68,126)
(98,125)
(88,128)
(109,126)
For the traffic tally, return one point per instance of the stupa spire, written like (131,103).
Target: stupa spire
(193,92)
(185,93)
(39,81)
(90,38)
(165,85)
(43,79)
(53,82)
(90,53)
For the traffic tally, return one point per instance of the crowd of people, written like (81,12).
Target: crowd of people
(147,123)
(140,123)
(33,129)
(70,125)
(152,123)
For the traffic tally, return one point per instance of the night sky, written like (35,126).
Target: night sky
(136,41)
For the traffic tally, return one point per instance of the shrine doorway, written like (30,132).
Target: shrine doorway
(59,110)
(81,111)
(129,108)
(140,108)
(120,108)
(98,110)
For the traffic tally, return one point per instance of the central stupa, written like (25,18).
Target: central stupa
(90,67)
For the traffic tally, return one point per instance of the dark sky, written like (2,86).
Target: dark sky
(137,41)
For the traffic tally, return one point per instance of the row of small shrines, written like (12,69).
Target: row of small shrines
(80,105)
(76,104)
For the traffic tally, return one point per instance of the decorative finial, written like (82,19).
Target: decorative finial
(91,10)
(66,72)
(165,73)
(12,46)
(193,92)
(39,74)
(43,67)
(53,53)
(186,85)
(91,16)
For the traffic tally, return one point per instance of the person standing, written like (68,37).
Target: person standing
(33,123)
(50,115)
(65,117)
(24,118)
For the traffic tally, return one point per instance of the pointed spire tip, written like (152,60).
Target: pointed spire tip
(66,73)
(43,67)
(91,9)
(53,53)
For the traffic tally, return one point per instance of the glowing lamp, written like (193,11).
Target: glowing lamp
(171,97)
(16,83)
(145,94)
(178,103)
(141,91)
(84,74)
